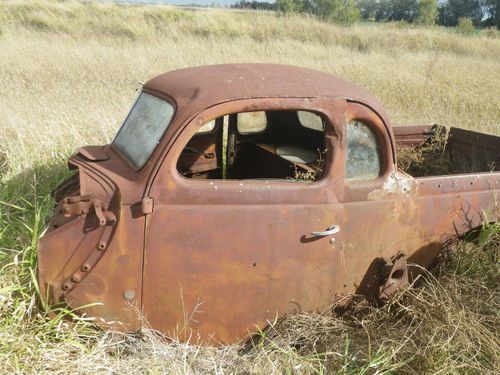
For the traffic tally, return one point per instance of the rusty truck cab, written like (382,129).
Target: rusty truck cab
(232,195)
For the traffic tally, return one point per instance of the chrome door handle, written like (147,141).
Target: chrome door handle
(328,232)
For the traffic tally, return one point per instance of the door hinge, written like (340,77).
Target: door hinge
(83,204)
(147,206)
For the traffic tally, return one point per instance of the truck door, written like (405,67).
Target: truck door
(226,256)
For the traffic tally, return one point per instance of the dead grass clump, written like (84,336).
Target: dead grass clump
(427,159)
(316,171)
(4,165)
(491,33)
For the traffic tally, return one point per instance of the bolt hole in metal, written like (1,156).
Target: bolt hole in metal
(398,274)
(129,294)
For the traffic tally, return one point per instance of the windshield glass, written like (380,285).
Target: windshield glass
(143,128)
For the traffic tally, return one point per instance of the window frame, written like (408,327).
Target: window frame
(357,111)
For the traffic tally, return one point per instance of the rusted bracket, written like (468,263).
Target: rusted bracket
(397,277)
(147,206)
(82,204)
(107,219)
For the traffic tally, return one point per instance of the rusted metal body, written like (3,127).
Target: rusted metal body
(221,258)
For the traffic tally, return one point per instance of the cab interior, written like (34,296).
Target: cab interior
(284,145)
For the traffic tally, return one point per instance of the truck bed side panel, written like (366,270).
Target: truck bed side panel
(429,150)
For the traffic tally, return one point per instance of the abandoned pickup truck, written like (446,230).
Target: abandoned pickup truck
(236,194)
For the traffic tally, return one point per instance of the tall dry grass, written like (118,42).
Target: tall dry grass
(68,71)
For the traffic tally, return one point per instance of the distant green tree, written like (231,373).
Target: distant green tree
(492,13)
(451,11)
(497,14)
(253,4)
(286,6)
(305,6)
(389,10)
(405,10)
(383,11)
(427,12)
(341,11)
(289,6)
(368,9)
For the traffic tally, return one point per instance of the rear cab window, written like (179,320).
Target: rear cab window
(364,156)
(251,122)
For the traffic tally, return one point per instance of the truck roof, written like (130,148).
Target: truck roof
(204,86)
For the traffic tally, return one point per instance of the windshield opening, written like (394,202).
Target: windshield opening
(143,128)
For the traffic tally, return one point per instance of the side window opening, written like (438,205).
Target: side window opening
(271,145)
(202,156)
(364,160)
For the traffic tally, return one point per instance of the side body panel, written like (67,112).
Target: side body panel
(223,258)
(401,214)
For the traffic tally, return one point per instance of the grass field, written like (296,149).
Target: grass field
(68,72)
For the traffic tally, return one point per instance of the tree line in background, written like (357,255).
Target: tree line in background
(479,13)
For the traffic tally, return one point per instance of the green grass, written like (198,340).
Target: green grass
(67,75)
